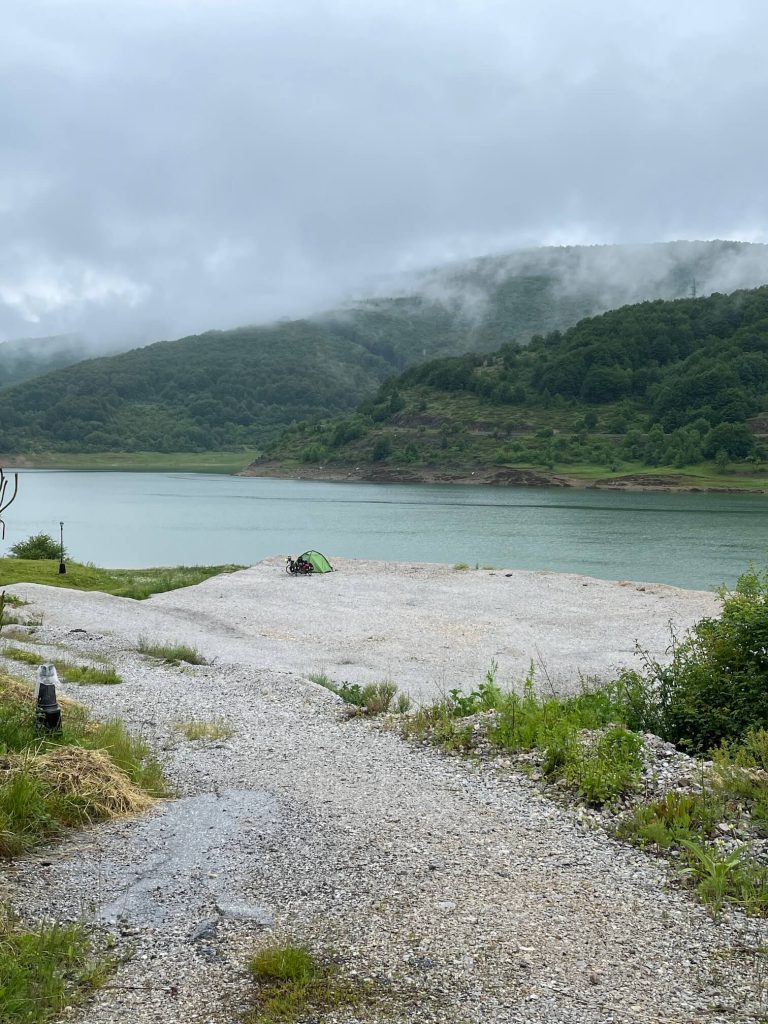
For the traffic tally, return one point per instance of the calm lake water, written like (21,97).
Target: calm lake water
(143,519)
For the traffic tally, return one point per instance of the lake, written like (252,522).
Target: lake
(143,519)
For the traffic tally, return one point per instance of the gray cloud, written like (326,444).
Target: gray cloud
(172,166)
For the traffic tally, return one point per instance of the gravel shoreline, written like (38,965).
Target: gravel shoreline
(462,893)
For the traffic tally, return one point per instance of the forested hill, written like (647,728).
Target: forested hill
(658,383)
(224,389)
(211,391)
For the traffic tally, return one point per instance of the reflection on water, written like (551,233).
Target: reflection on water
(141,519)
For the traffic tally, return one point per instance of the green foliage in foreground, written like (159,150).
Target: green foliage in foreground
(582,737)
(172,654)
(293,985)
(34,810)
(734,795)
(44,970)
(134,583)
(716,687)
(38,546)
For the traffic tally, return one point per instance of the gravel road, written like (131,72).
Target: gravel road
(459,891)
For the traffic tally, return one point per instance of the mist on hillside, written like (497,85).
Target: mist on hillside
(549,287)
(575,281)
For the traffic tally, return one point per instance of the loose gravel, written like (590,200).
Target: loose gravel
(459,891)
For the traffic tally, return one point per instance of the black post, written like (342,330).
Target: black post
(62,567)
(48,712)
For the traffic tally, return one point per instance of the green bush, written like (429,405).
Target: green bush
(716,686)
(38,546)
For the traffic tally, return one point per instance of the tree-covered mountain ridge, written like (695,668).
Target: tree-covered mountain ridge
(240,388)
(667,383)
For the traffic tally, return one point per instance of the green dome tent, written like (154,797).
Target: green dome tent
(318,562)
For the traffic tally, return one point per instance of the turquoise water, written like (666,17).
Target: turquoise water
(142,519)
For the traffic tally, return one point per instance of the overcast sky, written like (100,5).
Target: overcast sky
(174,165)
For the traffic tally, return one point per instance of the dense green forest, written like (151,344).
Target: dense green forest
(667,383)
(226,389)
(213,391)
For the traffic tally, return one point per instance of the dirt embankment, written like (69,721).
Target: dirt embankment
(495,475)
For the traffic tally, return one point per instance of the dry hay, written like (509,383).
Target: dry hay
(90,776)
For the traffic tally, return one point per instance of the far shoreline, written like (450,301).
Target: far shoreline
(500,476)
(243,464)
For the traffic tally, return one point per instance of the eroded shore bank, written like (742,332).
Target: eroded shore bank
(494,476)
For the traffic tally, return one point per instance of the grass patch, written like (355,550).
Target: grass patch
(50,783)
(88,675)
(293,985)
(372,699)
(171,654)
(44,970)
(25,657)
(83,675)
(217,729)
(134,583)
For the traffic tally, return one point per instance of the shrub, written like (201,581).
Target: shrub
(715,687)
(38,546)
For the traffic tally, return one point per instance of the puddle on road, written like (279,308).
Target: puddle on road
(193,857)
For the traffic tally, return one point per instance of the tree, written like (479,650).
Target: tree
(735,439)
(38,546)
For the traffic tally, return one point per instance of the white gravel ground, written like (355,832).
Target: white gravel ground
(460,891)
(426,627)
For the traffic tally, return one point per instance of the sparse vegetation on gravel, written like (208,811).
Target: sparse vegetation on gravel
(293,985)
(217,729)
(582,738)
(171,654)
(370,699)
(709,700)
